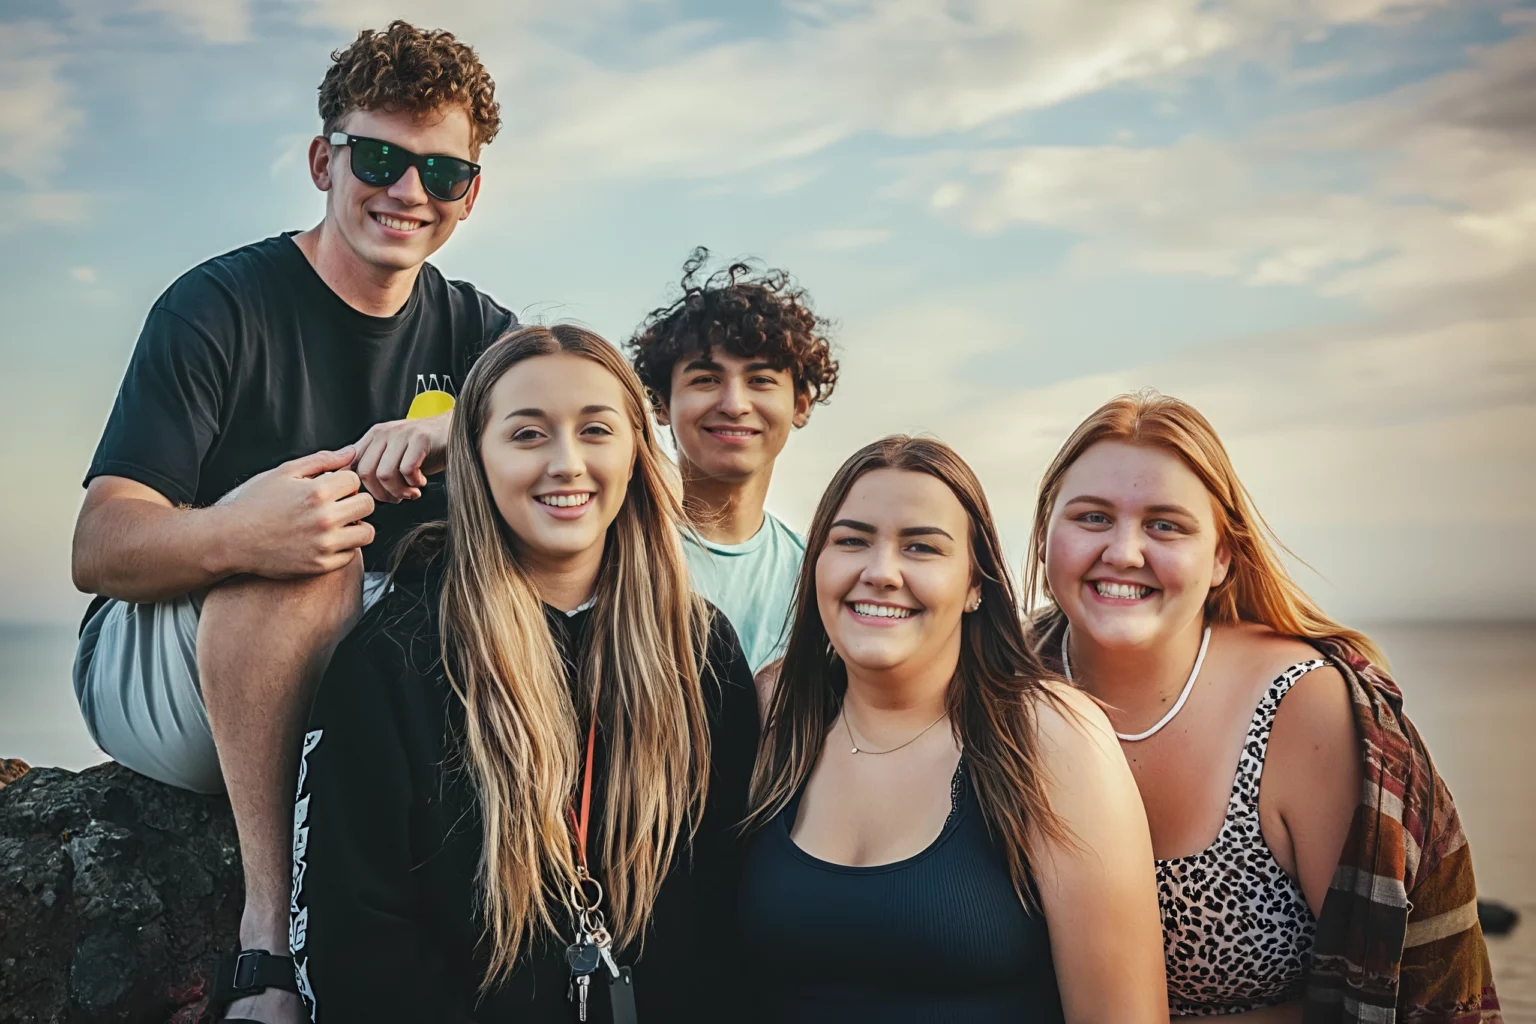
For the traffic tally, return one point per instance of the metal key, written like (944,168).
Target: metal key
(583,982)
(604,943)
(613,967)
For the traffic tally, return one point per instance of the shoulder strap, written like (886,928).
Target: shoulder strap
(1244,802)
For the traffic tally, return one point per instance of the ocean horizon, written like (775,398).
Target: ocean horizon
(1468,687)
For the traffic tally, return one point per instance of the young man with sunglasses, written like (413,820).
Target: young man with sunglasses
(275,434)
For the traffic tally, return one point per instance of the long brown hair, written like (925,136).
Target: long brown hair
(992,700)
(521,742)
(1257,587)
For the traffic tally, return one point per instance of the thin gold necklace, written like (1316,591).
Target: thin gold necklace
(848,726)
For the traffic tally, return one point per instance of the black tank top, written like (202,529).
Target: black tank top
(937,937)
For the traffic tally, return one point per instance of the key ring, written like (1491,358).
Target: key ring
(592,921)
(579,891)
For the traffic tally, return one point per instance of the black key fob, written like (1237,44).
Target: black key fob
(583,957)
(615,997)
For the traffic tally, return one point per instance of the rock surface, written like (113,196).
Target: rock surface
(1497,918)
(117,894)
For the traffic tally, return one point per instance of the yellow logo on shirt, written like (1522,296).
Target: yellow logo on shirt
(434,396)
(429,403)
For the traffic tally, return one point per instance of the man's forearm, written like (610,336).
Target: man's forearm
(143,551)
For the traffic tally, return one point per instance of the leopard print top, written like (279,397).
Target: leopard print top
(1237,931)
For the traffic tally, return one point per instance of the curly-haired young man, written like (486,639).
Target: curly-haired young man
(732,366)
(274,434)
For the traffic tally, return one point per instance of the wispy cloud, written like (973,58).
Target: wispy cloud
(45,207)
(37,113)
(210,21)
(701,105)
(292,150)
(216,21)
(844,239)
(1395,200)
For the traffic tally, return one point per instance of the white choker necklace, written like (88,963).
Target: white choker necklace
(1194,673)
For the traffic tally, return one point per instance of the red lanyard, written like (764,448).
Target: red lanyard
(581,823)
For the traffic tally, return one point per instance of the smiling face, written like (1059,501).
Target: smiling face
(558,450)
(895,576)
(1133,548)
(393,227)
(732,416)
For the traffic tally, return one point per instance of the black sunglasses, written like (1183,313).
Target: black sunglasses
(376,162)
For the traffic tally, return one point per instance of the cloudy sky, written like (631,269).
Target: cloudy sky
(1316,219)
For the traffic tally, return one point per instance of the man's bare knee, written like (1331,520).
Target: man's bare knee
(312,611)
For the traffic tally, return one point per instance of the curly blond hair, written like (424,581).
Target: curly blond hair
(405,68)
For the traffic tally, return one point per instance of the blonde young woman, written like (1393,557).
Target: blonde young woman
(1310,863)
(525,767)
(939,831)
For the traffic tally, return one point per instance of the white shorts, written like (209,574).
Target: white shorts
(136,681)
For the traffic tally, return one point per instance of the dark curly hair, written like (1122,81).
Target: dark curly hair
(749,312)
(414,70)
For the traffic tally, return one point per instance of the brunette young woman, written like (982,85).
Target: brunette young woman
(939,831)
(1310,864)
(525,769)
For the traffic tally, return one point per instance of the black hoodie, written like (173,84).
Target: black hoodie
(385,919)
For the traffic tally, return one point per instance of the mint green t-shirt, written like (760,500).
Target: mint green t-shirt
(753,583)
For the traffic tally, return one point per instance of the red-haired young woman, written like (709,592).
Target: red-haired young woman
(1310,863)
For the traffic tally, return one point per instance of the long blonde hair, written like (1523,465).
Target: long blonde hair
(641,679)
(998,684)
(1257,587)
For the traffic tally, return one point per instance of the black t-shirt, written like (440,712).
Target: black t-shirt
(388,843)
(250,360)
